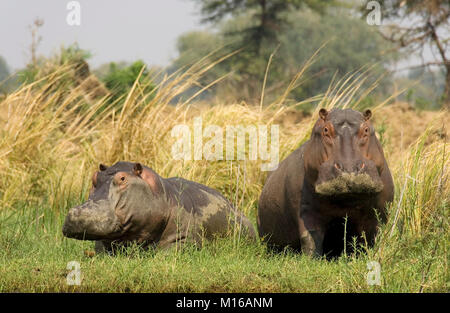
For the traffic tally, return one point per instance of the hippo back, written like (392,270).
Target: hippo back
(210,209)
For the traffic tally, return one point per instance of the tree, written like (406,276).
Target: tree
(352,44)
(268,17)
(4,71)
(416,24)
(194,46)
(8,81)
(263,22)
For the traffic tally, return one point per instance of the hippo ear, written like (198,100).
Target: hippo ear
(367,114)
(102,167)
(137,169)
(323,113)
(148,176)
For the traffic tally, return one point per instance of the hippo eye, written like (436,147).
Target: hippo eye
(366,130)
(122,178)
(326,132)
(326,135)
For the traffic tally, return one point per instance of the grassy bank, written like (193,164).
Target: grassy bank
(35,260)
(53,137)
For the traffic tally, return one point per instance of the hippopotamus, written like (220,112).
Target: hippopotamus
(129,202)
(336,184)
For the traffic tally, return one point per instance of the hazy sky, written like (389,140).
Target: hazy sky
(112,30)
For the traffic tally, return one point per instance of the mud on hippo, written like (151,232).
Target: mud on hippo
(129,202)
(339,174)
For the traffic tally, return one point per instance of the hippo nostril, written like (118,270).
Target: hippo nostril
(359,167)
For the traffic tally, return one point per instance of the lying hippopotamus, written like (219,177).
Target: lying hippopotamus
(129,202)
(340,174)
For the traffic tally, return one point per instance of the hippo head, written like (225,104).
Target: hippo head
(117,203)
(344,157)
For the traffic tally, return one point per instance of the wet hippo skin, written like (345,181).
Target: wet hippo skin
(340,174)
(129,203)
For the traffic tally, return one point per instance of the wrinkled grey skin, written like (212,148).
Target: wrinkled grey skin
(131,203)
(339,172)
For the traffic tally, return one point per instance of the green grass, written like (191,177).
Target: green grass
(34,257)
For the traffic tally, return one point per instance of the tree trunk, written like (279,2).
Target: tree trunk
(446,103)
(263,25)
(446,62)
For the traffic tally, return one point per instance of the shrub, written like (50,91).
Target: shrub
(120,80)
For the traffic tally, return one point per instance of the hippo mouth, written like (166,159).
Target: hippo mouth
(92,221)
(350,183)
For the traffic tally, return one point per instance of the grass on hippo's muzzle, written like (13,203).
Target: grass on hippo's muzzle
(350,183)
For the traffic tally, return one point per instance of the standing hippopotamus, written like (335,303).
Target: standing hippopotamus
(340,172)
(131,203)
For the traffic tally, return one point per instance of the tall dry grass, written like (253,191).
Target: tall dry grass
(51,142)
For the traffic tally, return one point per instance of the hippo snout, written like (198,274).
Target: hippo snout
(91,221)
(70,223)
(339,178)
(356,167)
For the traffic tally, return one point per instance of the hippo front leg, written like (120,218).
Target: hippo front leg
(367,231)
(99,247)
(311,235)
(103,246)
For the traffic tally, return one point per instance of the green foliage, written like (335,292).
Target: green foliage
(62,73)
(268,17)
(260,25)
(73,53)
(193,46)
(351,45)
(71,56)
(424,88)
(4,69)
(28,74)
(4,75)
(120,79)
(366,103)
